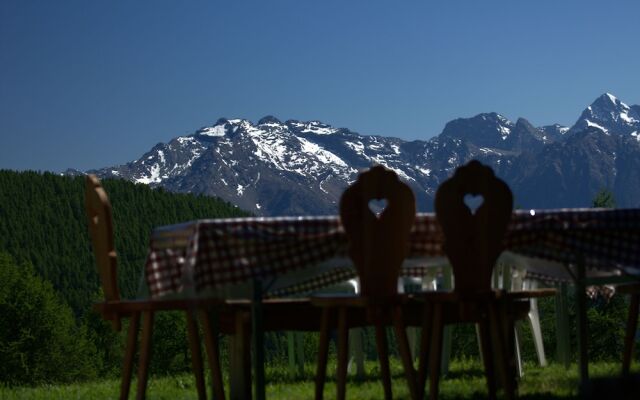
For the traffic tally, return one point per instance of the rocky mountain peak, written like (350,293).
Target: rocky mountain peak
(269,120)
(608,101)
(523,123)
(610,115)
(484,130)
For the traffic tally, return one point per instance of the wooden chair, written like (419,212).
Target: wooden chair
(115,309)
(473,242)
(378,245)
(632,289)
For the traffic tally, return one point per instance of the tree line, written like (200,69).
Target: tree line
(48,281)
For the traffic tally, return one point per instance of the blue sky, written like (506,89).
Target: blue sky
(88,84)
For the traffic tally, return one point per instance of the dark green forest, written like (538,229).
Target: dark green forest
(48,332)
(42,222)
(49,279)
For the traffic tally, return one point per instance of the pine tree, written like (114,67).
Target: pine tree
(604,199)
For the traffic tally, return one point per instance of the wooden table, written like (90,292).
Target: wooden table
(296,255)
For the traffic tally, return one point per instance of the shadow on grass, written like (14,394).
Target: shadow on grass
(466,373)
(478,396)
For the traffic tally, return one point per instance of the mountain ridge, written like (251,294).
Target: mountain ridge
(301,167)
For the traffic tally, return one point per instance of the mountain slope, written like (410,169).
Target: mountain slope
(301,167)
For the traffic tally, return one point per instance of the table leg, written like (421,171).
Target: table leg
(581,313)
(258,340)
(299,339)
(630,336)
(562,325)
(239,360)
(291,352)
(447,333)
(295,350)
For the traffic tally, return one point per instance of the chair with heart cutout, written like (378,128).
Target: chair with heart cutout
(473,241)
(378,244)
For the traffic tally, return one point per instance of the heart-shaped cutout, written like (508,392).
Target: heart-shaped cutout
(377,206)
(473,202)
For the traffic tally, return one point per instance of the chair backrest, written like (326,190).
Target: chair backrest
(100,220)
(378,244)
(473,241)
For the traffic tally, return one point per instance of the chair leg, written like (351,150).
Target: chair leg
(357,351)
(323,352)
(405,351)
(383,357)
(145,354)
(127,366)
(435,353)
(509,331)
(213,355)
(534,320)
(500,347)
(484,334)
(196,354)
(425,343)
(632,324)
(517,354)
(343,353)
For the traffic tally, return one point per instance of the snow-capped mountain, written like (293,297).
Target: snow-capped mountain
(610,115)
(301,167)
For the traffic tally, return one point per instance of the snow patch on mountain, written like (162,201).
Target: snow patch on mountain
(153,177)
(424,171)
(321,154)
(504,132)
(318,128)
(487,150)
(593,124)
(269,147)
(357,147)
(214,131)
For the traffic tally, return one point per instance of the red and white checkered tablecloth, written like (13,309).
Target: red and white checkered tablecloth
(208,254)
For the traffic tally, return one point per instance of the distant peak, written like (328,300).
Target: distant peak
(235,121)
(269,119)
(314,126)
(611,97)
(523,121)
(492,115)
(608,101)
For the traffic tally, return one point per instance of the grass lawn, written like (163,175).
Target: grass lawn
(464,381)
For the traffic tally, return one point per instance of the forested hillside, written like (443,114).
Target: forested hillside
(48,275)
(42,222)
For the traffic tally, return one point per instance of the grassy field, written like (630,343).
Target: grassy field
(464,381)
